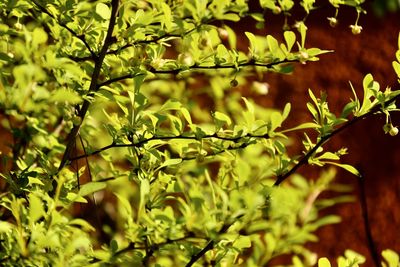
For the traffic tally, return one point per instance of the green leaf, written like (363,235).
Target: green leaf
(391,257)
(302,29)
(221,119)
(396,67)
(306,125)
(91,187)
(66,96)
(5,227)
(253,42)
(242,242)
(167,21)
(170,162)
(324,262)
(290,39)
(103,11)
(347,167)
(36,210)
(39,36)
(171,104)
(82,223)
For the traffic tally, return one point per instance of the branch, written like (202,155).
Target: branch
(367,226)
(324,139)
(196,257)
(139,42)
(93,84)
(250,63)
(141,142)
(65,26)
(210,245)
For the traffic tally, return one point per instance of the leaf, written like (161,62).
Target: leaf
(391,257)
(82,223)
(66,96)
(290,39)
(347,167)
(186,114)
(253,42)
(354,256)
(5,227)
(91,187)
(221,119)
(170,162)
(167,21)
(171,104)
(144,194)
(103,11)
(306,125)
(324,262)
(242,242)
(396,67)
(36,210)
(273,44)
(302,29)
(39,36)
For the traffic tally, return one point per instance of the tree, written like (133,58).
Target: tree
(112,91)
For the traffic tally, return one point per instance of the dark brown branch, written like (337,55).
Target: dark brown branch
(196,257)
(367,227)
(141,142)
(324,139)
(250,63)
(93,84)
(65,26)
(210,245)
(139,42)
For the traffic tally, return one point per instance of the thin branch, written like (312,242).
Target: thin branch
(210,244)
(367,227)
(196,257)
(138,42)
(250,63)
(93,84)
(324,139)
(143,141)
(65,26)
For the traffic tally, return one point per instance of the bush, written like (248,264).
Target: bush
(140,100)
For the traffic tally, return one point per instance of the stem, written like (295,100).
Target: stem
(367,227)
(378,107)
(250,63)
(93,85)
(196,257)
(141,142)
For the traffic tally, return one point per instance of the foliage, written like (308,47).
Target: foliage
(112,91)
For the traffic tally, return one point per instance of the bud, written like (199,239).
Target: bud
(276,10)
(261,88)
(158,63)
(394,131)
(332,21)
(355,29)
(223,33)
(234,83)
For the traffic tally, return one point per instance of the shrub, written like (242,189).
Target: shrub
(113,93)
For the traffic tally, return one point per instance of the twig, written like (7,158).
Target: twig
(196,257)
(324,139)
(210,244)
(93,84)
(65,26)
(138,42)
(367,227)
(141,142)
(250,63)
